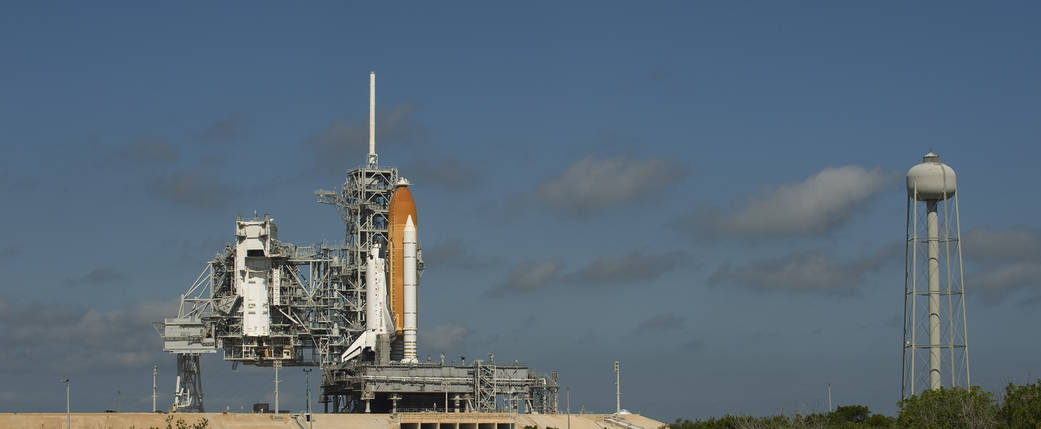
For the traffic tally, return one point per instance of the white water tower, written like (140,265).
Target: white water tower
(935,348)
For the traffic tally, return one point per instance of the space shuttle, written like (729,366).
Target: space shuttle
(377,316)
(392,278)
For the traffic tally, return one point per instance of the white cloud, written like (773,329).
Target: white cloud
(529,277)
(81,339)
(594,184)
(811,207)
(446,337)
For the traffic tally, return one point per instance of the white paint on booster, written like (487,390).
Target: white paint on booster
(410,296)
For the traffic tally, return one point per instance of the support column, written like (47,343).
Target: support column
(155,388)
(932,226)
(277,364)
(188,393)
(368,397)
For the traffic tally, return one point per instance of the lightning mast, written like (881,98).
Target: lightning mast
(372,120)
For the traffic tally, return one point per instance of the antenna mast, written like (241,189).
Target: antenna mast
(372,119)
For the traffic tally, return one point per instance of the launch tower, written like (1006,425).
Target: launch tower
(270,303)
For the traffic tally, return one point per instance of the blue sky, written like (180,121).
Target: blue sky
(709,192)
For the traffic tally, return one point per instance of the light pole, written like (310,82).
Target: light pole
(310,418)
(618,388)
(68,415)
(568,408)
(277,364)
(155,389)
(829,397)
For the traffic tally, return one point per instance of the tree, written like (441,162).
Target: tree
(949,409)
(1022,406)
(880,421)
(849,413)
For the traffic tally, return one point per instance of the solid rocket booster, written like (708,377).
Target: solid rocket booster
(377,316)
(410,277)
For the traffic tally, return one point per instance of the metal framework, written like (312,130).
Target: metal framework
(932,233)
(478,387)
(363,203)
(269,303)
(189,384)
(311,317)
(544,394)
(484,386)
(316,300)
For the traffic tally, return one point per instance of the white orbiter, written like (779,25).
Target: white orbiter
(377,315)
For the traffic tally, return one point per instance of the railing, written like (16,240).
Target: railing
(620,422)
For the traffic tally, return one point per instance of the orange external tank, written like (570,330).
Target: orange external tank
(401,207)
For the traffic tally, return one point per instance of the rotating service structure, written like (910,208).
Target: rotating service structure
(935,346)
(351,310)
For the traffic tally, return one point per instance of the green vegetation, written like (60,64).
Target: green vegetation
(1022,406)
(940,409)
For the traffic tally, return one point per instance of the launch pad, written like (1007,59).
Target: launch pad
(482,386)
(270,303)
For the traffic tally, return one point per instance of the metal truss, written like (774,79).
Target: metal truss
(363,203)
(544,394)
(952,350)
(484,386)
(317,308)
(188,393)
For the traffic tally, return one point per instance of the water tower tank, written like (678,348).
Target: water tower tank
(933,180)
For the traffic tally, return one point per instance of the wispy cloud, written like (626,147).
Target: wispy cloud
(344,143)
(693,345)
(146,151)
(1008,261)
(664,322)
(628,268)
(632,268)
(101,276)
(998,282)
(593,184)
(232,127)
(445,172)
(73,338)
(9,252)
(805,272)
(192,189)
(444,338)
(454,253)
(812,207)
(1015,244)
(529,277)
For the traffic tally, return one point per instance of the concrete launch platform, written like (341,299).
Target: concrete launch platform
(330,421)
